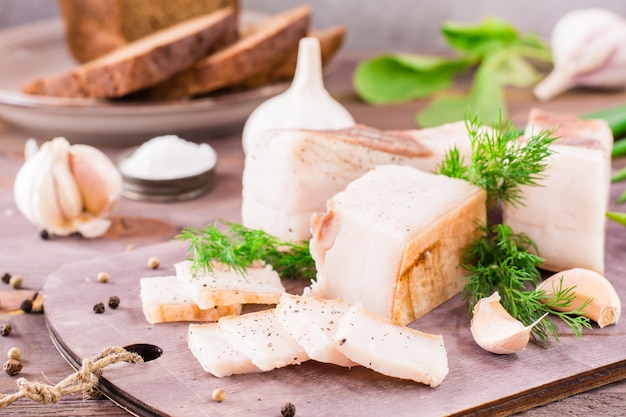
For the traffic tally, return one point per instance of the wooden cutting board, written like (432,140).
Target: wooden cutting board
(479,383)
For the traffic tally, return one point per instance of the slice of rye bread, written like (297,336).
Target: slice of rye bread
(330,39)
(259,48)
(96,27)
(144,62)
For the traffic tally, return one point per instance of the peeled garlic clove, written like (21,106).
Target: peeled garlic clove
(495,330)
(588,49)
(62,196)
(604,308)
(97,177)
(305,105)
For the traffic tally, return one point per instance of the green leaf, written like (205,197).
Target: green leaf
(491,33)
(487,95)
(485,101)
(402,77)
(619,175)
(444,110)
(517,72)
(617,217)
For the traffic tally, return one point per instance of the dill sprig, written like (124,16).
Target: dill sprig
(500,163)
(238,247)
(502,260)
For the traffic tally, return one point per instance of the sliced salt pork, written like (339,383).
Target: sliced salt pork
(312,322)
(164,300)
(289,174)
(393,241)
(390,349)
(260,337)
(215,354)
(565,214)
(224,286)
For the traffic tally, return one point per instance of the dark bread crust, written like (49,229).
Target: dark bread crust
(96,27)
(260,47)
(145,62)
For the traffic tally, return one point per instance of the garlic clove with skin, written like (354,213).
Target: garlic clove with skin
(306,104)
(93,172)
(65,189)
(604,304)
(588,50)
(495,330)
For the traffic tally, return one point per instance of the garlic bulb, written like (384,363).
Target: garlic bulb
(604,304)
(64,189)
(495,330)
(588,49)
(306,104)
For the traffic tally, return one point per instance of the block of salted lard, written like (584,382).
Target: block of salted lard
(565,215)
(216,355)
(224,286)
(289,174)
(312,322)
(570,129)
(260,337)
(390,349)
(393,241)
(163,300)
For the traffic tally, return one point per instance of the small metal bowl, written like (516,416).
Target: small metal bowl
(166,190)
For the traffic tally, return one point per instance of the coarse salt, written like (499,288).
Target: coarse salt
(168,157)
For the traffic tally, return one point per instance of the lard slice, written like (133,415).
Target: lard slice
(289,174)
(260,337)
(223,286)
(570,129)
(312,322)
(566,215)
(215,354)
(392,350)
(164,300)
(393,241)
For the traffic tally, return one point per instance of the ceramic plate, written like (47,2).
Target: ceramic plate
(39,49)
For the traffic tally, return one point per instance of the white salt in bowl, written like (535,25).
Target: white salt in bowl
(167,169)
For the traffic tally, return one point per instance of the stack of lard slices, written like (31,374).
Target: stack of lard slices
(208,295)
(331,331)
(565,214)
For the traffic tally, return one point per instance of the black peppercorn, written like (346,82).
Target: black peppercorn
(27,306)
(12,367)
(6,277)
(5,329)
(114,302)
(288,410)
(98,308)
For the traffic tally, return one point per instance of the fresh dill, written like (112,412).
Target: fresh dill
(239,247)
(502,260)
(500,163)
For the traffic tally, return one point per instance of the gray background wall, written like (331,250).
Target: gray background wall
(377,24)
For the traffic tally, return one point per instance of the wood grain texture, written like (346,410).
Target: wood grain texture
(25,253)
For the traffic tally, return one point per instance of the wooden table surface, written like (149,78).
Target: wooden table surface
(24,253)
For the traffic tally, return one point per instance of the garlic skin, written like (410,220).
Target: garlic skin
(65,189)
(588,50)
(495,330)
(305,105)
(604,308)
